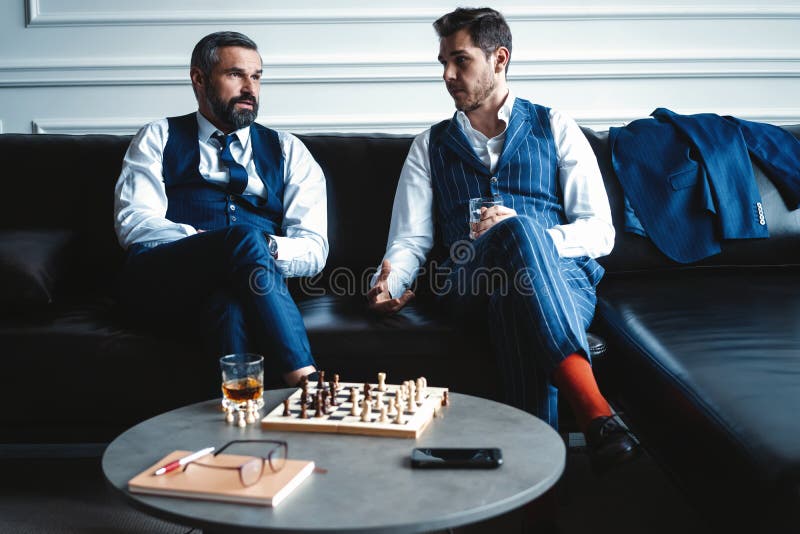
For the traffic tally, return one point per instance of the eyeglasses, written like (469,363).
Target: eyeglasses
(273,455)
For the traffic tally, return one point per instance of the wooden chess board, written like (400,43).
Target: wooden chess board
(340,421)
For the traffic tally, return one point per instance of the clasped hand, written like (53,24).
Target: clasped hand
(490,217)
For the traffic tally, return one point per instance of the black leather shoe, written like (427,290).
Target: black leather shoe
(609,442)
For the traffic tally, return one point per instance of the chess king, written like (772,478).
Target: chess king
(215,210)
(553,222)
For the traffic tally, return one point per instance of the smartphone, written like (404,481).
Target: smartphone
(471,458)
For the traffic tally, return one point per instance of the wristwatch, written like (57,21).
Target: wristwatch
(272,246)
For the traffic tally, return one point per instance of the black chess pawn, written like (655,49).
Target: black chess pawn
(286,411)
(321,383)
(319,405)
(332,389)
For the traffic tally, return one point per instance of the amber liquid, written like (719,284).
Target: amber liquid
(243,390)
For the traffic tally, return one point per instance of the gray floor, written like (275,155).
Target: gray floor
(68,495)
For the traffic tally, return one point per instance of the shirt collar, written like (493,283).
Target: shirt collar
(504,113)
(205,130)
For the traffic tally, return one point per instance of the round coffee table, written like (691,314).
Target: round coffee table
(370,485)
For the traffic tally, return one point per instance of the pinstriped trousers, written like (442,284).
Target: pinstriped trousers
(535,304)
(227,286)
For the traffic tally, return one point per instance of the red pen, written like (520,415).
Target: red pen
(172,466)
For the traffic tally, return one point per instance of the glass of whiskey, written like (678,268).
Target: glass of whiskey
(242,379)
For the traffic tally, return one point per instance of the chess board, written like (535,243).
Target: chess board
(339,420)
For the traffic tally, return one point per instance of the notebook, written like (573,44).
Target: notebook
(197,482)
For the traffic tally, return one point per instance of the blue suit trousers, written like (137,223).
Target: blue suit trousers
(535,304)
(225,284)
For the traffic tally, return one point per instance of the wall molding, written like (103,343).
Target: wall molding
(86,72)
(406,123)
(37,16)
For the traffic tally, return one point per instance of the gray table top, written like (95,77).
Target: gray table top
(369,486)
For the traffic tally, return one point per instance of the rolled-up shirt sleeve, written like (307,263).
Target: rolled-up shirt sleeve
(303,247)
(589,231)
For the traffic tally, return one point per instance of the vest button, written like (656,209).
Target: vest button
(233,208)
(233,219)
(493,179)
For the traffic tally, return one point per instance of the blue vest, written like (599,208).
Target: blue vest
(195,201)
(526,176)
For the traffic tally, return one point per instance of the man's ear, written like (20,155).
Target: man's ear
(197,77)
(502,57)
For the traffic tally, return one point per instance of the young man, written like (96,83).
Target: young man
(554,220)
(215,210)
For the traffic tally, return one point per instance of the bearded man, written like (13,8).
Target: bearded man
(546,219)
(215,210)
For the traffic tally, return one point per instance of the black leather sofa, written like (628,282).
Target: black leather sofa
(703,359)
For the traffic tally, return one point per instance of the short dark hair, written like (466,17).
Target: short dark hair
(487,28)
(205,56)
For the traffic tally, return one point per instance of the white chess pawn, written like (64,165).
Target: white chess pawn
(378,399)
(411,406)
(383,414)
(242,419)
(229,418)
(366,411)
(420,392)
(398,418)
(353,401)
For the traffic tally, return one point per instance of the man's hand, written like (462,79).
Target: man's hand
(490,217)
(380,300)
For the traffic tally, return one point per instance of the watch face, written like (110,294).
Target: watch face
(273,247)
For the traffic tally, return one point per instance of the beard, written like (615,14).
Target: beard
(227,112)
(474,98)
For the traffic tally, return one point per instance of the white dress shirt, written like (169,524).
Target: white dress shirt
(589,231)
(141,200)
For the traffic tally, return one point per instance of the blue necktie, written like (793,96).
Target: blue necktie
(238,174)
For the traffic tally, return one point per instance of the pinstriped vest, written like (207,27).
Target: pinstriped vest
(195,201)
(526,176)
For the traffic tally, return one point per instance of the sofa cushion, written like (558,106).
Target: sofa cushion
(711,353)
(32,263)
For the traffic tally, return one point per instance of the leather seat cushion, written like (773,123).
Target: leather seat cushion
(722,346)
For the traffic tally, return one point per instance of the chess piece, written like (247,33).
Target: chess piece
(420,393)
(398,418)
(304,411)
(383,414)
(333,387)
(318,404)
(336,380)
(378,399)
(242,419)
(321,383)
(353,401)
(445,399)
(381,381)
(411,406)
(229,418)
(366,410)
(367,392)
(392,401)
(286,411)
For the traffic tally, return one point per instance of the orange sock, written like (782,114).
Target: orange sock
(574,378)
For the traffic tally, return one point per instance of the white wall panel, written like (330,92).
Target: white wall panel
(75,66)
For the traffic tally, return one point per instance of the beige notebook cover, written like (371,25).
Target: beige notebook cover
(221,484)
